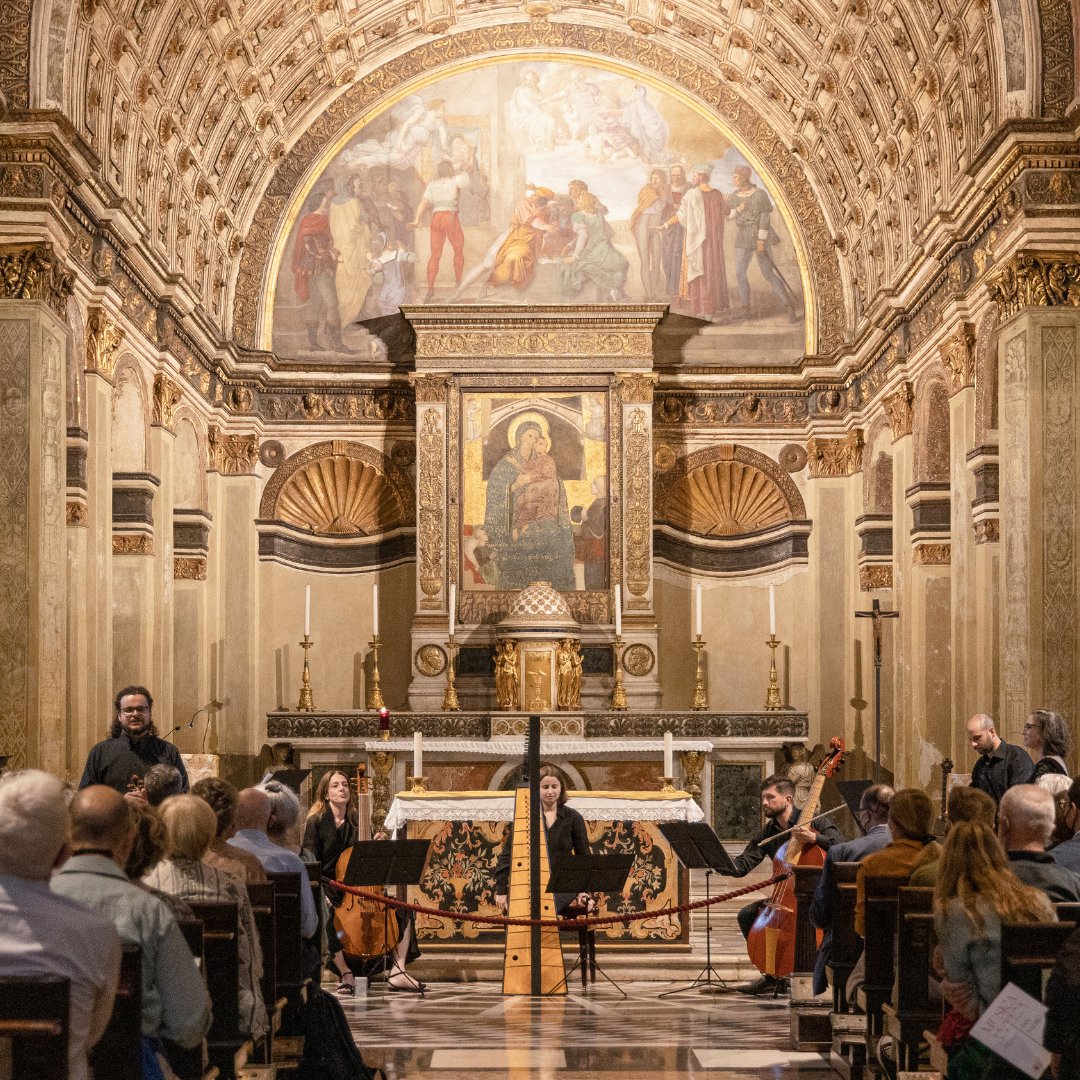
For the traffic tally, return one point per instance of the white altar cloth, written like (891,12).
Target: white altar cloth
(499,806)
(514,746)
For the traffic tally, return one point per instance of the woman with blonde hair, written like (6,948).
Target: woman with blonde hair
(976,892)
(190,826)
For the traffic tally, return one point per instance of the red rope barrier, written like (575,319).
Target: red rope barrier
(562,924)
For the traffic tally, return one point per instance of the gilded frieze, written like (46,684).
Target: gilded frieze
(932,554)
(872,578)
(189,568)
(33,272)
(638,507)
(431,503)
(132,544)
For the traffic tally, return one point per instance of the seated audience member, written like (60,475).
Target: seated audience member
(1058,786)
(252,818)
(1046,739)
(1067,853)
(1061,1035)
(175,1002)
(160,782)
(45,934)
(976,892)
(1025,822)
(874,819)
(221,797)
(911,818)
(285,815)
(147,851)
(190,825)
(965,804)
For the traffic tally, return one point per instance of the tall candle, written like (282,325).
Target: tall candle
(669,747)
(307,611)
(375,609)
(618,611)
(453,608)
(417,754)
(697,611)
(772,610)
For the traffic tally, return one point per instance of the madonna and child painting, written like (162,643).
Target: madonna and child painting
(539,182)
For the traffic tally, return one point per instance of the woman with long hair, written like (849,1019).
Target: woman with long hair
(332,828)
(975,893)
(1046,739)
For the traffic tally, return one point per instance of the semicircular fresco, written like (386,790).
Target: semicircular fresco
(538,182)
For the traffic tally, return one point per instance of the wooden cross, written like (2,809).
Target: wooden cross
(875,614)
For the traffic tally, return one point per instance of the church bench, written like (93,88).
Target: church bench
(227,1046)
(810,1026)
(1029,951)
(879,947)
(118,1054)
(261,895)
(911,1009)
(846,946)
(289,958)
(191,1063)
(34,1024)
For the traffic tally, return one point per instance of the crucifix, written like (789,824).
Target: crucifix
(875,614)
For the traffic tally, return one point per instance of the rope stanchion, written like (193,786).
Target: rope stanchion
(562,924)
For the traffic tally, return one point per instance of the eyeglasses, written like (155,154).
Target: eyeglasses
(135,709)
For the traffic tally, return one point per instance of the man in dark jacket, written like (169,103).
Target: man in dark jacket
(1000,765)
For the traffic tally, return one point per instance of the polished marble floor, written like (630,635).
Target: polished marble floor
(460,1030)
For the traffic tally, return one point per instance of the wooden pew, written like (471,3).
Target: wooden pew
(289,959)
(879,947)
(1029,951)
(190,1063)
(261,895)
(911,1011)
(227,1046)
(34,1023)
(848,1050)
(118,1055)
(810,1025)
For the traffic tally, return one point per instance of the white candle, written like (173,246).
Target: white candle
(453,608)
(375,609)
(618,611)
(697,610)
(417,754)
(307,611)
(772,610)
(668,754)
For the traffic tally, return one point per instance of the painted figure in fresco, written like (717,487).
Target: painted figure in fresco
(674,235)
(351,218)
(315,263)
(652,209)
(392,269)
(422,133)
(591,542)
(704,277)
(477,555)
(594,258)
(646,126)
(474,200)
(526,515)
(754,235)
(506,674)
(526,112)
(441,198)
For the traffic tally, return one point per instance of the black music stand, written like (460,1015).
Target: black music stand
(388,863)
(588,874)
(697,847)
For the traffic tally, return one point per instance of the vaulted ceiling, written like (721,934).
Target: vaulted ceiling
(201,119)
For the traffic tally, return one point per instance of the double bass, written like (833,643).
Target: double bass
(364,929)
(771,941)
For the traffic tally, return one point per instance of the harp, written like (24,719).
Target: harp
(533,963)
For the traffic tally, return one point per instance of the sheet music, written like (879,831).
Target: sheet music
(1012,1027)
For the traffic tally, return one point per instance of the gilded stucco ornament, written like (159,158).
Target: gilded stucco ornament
(1033,280)
(189,568)
(638,506)
(167,396)
(431,503)
(835,457)
(987,531)
(875,577)
(900,409)
(132,544)
(231,455)
(103,339)
(958,355)
(932,554)
(430,660)
(33,272)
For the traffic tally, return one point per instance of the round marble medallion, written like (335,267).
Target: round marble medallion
(430,660)
(638,659)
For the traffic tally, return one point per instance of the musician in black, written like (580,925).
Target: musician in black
(566,835)
(778,807)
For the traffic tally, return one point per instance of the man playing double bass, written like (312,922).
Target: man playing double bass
(778,806)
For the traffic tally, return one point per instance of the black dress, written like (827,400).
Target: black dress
(1048,766)
(565,836)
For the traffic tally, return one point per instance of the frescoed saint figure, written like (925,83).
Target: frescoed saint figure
(526,516)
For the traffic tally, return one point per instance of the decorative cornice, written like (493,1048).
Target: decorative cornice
(1035,280)
(835,457)
(103,339)
(167,395)
(932,554)
(900,409)
(697,725)
(189,568)
(875,577)
(957,353)
(231,455)
(32,272)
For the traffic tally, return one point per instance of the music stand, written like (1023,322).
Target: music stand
(388,863)
(587,874)
(851,791)
(697,847)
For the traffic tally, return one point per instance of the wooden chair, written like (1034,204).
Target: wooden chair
(118,1054)
(261,895)
(34,1019)
(911,1011)
(189,1063)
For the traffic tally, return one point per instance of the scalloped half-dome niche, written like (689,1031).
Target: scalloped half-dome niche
(338,496)
(726,498)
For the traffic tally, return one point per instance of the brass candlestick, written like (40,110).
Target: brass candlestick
(668,786)
(701,699)
(618,691)
(305,704)
(450,699)
(374,693)
(419,783)
(772,695)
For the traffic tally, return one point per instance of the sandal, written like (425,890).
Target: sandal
(346,989)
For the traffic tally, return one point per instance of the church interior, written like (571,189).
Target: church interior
(798,464)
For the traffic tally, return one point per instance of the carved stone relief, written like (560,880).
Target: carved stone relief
(638,507)
(431,504)
(167,395)
(1031,279)
(835,457)
(900,409)
(958,355)
(231,455)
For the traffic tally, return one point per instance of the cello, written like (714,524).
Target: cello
(364,929)
(771,941)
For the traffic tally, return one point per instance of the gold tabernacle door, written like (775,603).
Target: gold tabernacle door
(517,963)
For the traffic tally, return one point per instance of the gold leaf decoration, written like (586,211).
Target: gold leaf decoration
(726,498)
(340,496)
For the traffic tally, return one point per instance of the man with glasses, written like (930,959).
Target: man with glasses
(1067,853)
(132,749)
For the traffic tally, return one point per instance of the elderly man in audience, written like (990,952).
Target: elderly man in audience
(964,804)
(1067,853)
(1001,765)
(175,1002)
(1025,822)
(253,812)
(221,797)
(190,825)
(161,782)
(874,819)
(42,934)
